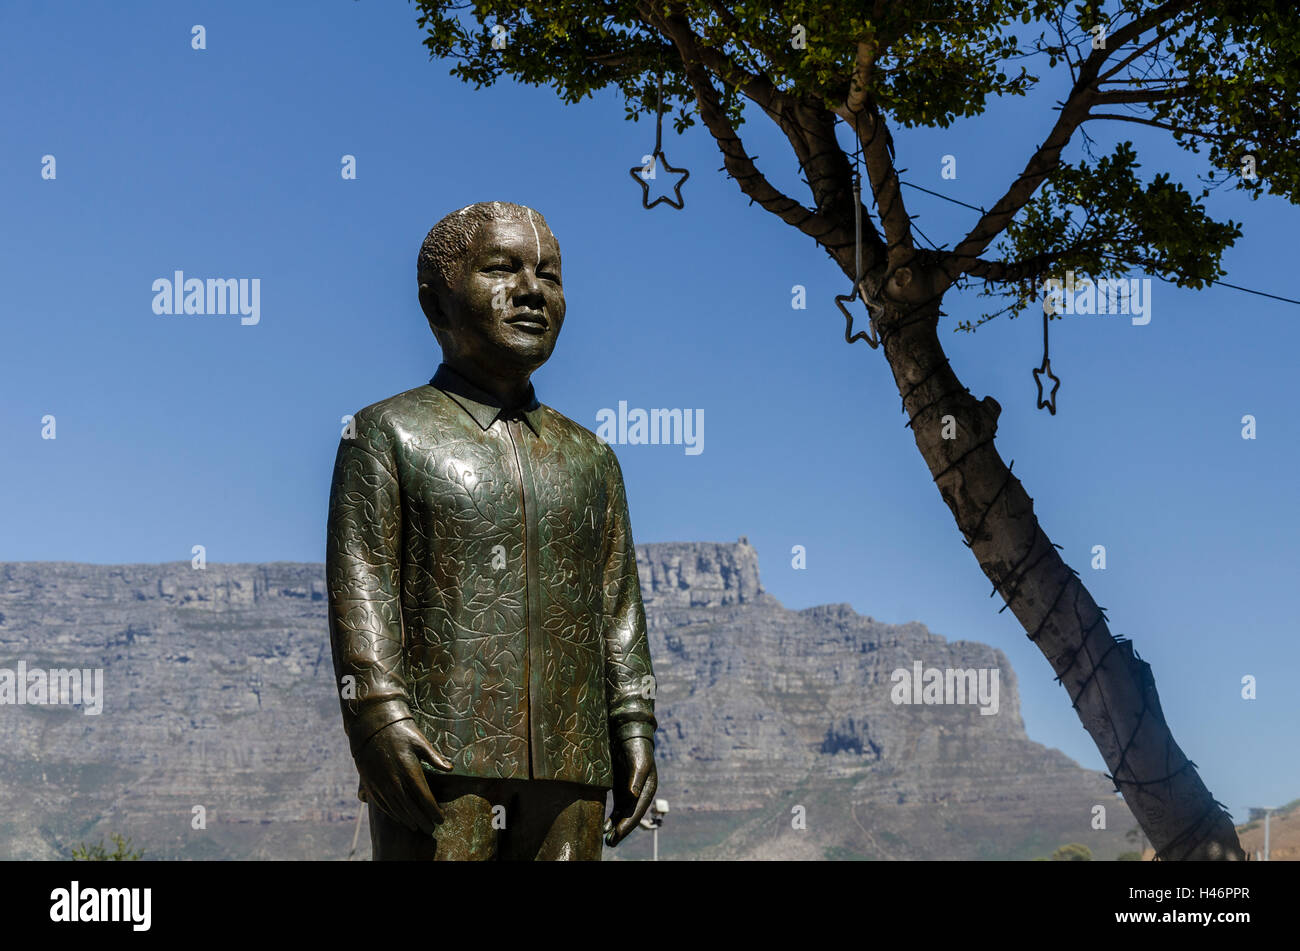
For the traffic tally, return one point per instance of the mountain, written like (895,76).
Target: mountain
(779,732)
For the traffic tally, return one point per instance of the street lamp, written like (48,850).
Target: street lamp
(653,819)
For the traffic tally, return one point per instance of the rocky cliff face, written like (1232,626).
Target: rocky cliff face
(779,735)
(699,575)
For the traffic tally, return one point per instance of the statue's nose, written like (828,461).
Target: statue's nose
(528,281)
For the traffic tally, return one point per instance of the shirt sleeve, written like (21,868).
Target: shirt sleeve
(629,680)
(362,570)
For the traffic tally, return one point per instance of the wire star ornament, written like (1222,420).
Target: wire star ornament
(659,160)
(1046,369)
(872,338)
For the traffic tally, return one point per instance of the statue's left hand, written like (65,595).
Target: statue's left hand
(635,784)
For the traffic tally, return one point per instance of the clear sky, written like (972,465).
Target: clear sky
(225,163)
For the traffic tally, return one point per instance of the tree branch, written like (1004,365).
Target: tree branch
(1122,96)
(1016,271)
(1160,35)
(734,24)
(1219,136)
(810,128)
(1048,155)
(877,151)
(740,165)
(759,89)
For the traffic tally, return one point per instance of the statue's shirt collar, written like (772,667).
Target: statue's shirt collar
(482,405)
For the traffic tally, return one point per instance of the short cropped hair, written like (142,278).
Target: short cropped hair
(450,238)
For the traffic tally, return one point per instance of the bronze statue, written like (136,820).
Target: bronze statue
(485,612)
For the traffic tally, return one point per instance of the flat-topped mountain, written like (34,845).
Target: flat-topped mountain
(783,734)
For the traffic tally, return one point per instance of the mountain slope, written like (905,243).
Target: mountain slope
(219,694)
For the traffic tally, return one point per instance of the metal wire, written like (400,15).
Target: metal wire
(872,338)
(658,159)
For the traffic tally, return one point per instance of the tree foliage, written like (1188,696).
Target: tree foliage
(122,851)
(1222,79)
(1073,852)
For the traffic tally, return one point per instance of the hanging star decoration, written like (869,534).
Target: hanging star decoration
(659,160)
(1046,368)
(872,338)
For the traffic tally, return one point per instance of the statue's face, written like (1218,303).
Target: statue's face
(506,311)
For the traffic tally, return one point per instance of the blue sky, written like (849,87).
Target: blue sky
(177,431)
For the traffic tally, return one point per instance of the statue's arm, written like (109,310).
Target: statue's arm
(629,680)
(362,569)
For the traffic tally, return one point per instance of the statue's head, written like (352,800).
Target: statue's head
(490,287)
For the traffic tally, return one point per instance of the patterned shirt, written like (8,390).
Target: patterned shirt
(483,583)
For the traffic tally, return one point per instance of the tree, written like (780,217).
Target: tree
(98,853)
(1218,77)
(1074,852)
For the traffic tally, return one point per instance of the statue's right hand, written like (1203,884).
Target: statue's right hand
(390,767)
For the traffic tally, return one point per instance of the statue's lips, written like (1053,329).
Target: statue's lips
(532,323)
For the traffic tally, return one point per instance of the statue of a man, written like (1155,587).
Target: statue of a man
(485,613)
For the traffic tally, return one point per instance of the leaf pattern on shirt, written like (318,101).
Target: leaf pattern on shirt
(423,499)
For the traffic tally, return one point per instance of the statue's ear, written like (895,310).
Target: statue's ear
(432,307)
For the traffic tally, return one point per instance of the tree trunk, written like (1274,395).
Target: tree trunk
(1111,688)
